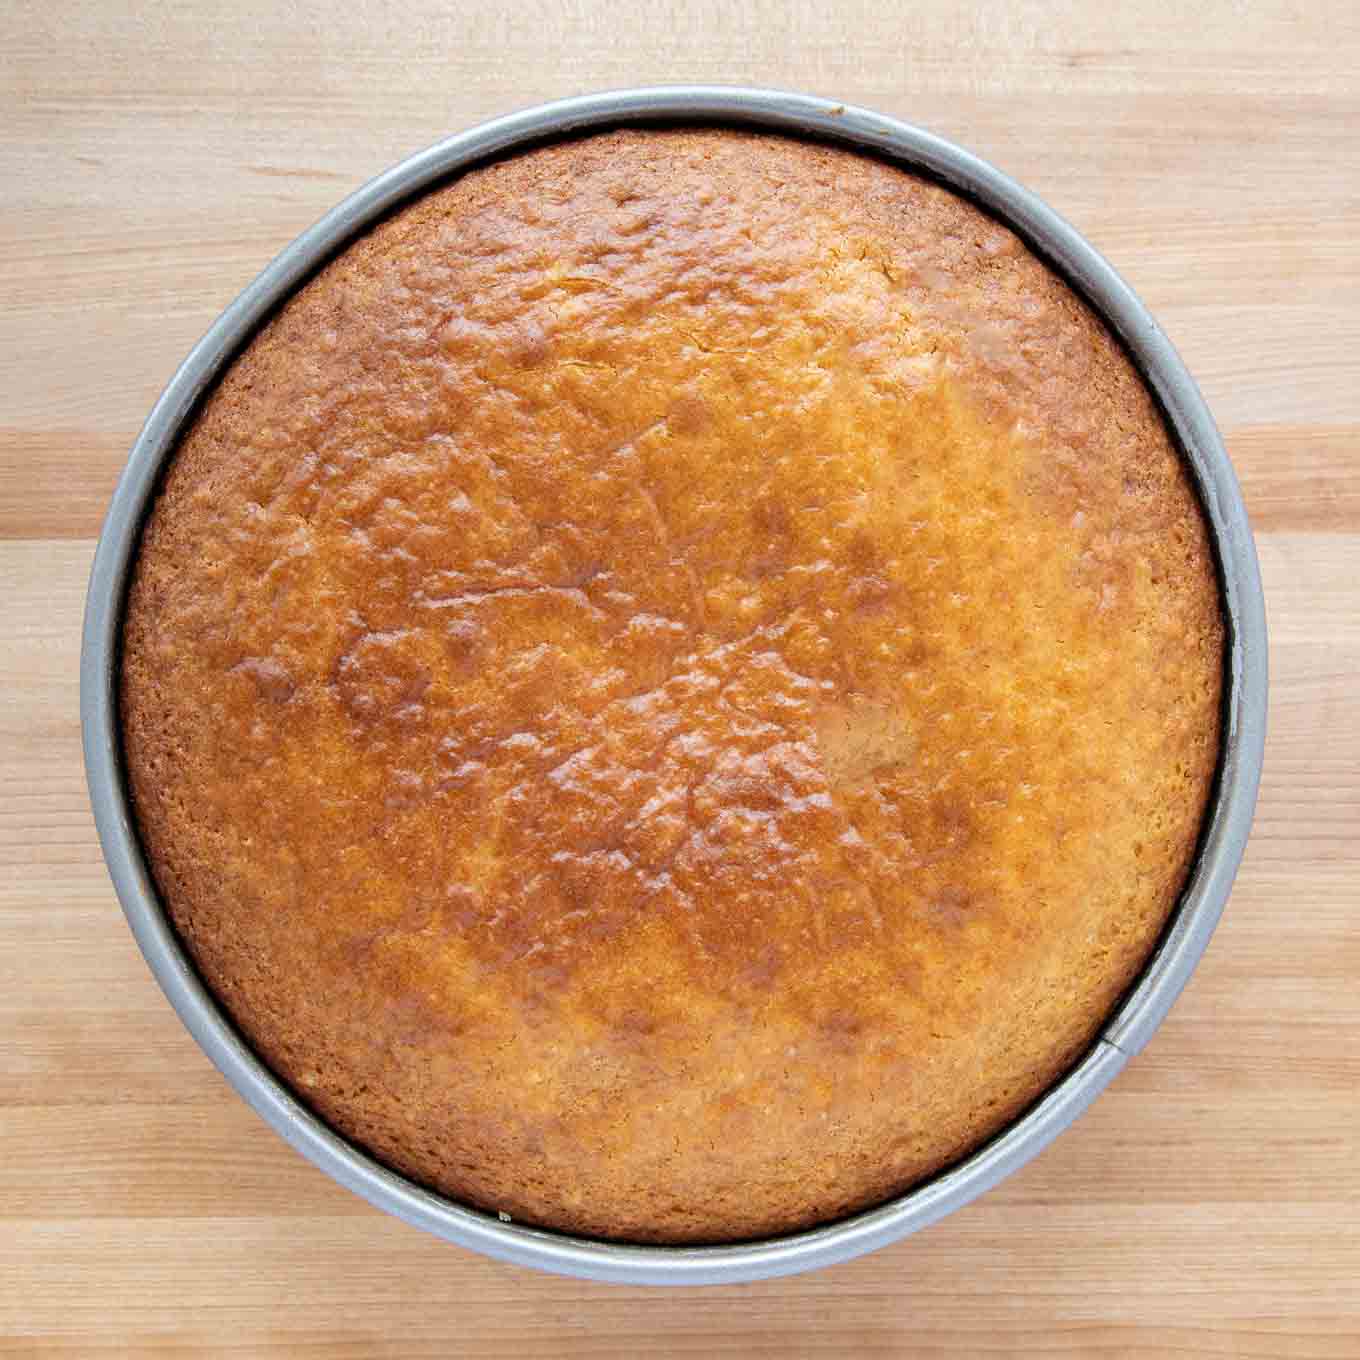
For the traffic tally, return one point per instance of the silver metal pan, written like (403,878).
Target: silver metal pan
(1226,828)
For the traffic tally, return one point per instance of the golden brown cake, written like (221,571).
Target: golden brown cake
(673,686)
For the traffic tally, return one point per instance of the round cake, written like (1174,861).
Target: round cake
(672,687)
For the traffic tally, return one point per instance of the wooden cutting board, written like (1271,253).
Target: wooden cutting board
(152,158)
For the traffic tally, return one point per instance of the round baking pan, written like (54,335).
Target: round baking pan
(1226,824)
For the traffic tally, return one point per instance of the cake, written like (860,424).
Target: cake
(672,687)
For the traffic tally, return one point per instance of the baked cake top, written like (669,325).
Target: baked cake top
(671,688)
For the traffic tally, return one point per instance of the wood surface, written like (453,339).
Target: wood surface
(152,159)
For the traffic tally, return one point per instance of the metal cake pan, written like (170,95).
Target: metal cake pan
(1226,827)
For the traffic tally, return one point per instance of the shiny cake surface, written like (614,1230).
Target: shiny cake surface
(672,687)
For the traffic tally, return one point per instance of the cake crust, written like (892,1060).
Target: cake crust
(675,683)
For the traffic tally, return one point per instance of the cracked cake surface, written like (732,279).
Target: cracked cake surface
(674,684)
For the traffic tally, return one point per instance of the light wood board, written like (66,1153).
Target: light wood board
(153,157)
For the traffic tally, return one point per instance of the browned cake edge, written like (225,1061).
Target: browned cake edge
(184,881)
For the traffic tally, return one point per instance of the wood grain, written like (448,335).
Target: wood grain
(154,158)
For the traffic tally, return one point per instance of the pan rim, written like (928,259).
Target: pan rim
(1227,821)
